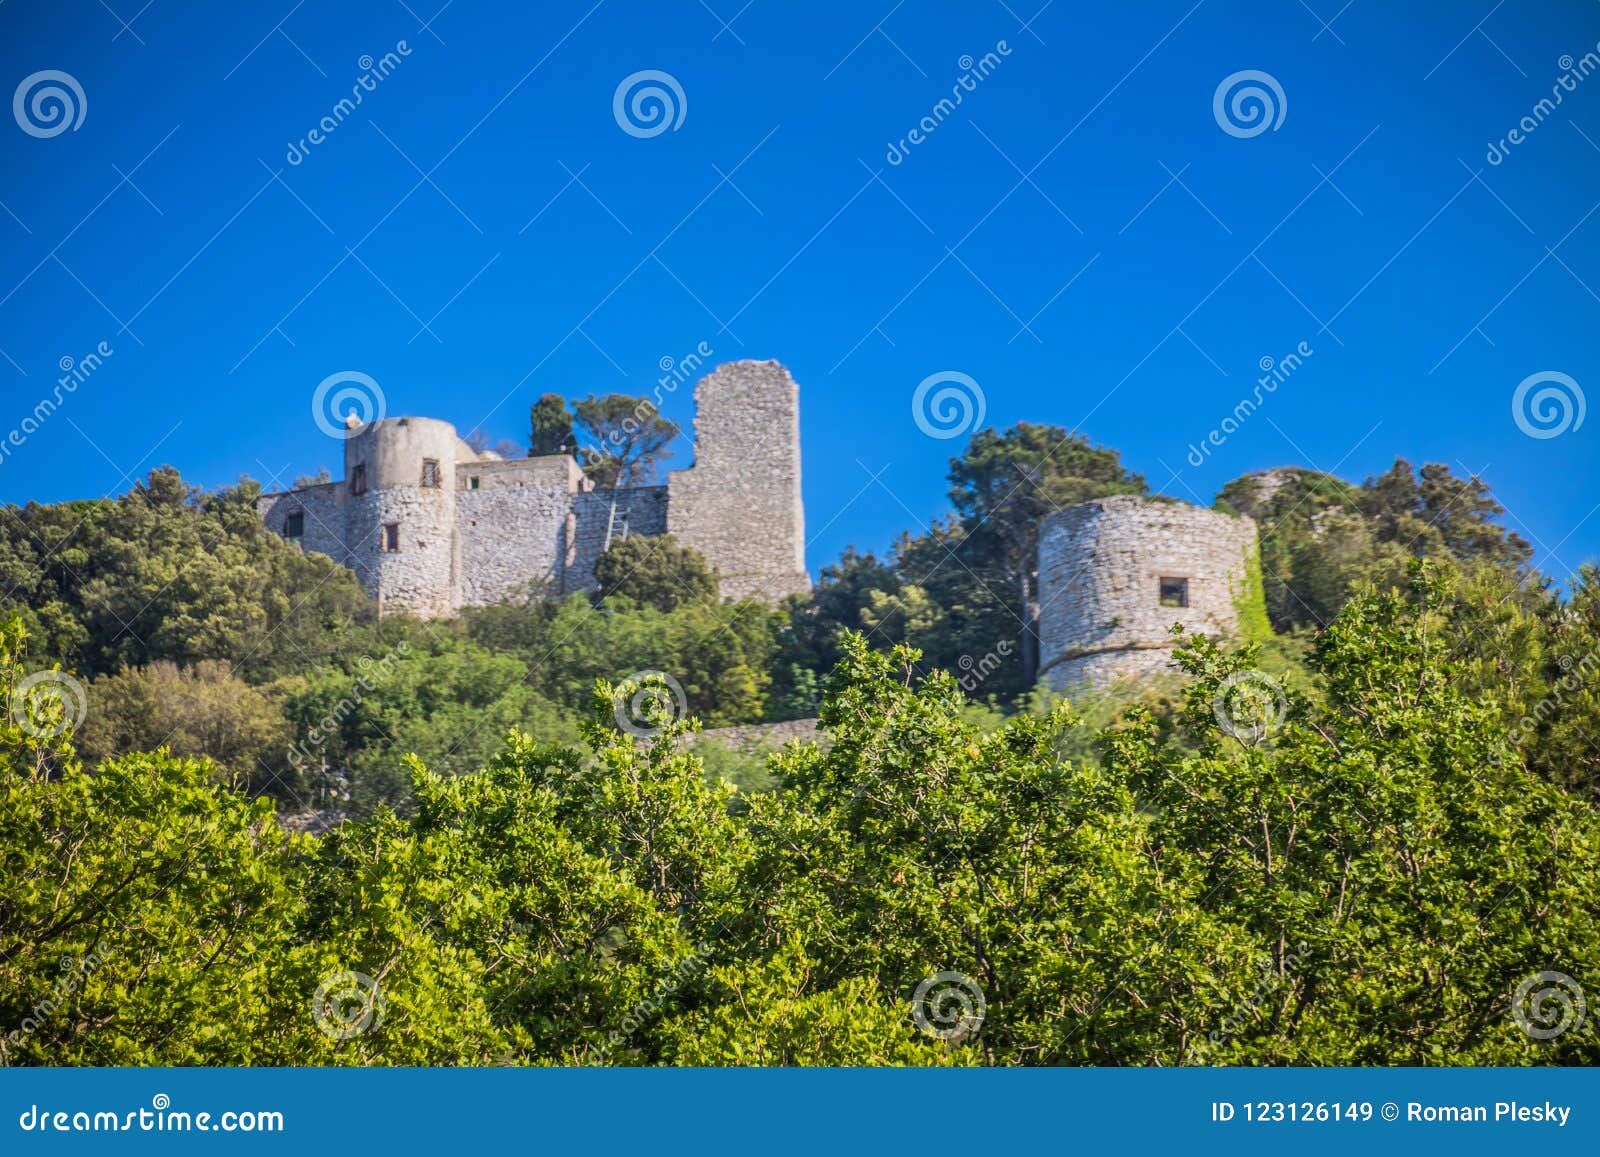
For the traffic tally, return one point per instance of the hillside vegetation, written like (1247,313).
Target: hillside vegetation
(1373,877)
(276,830)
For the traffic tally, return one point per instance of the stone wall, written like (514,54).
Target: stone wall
(739,504)
(325,518)
(639,510)
(511,526)
(420,576)
(751,736)
(1100,569)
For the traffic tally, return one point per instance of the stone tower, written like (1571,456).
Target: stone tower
(739,504)
(401,476)
(1115,574)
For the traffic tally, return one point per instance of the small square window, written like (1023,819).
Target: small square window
(390,542)
(430,473)
(1174,592)
(295,524)
(472,482)
(358,478)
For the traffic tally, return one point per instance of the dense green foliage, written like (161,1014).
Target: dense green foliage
(654,571)
(168,573)
(1320,534)
(1368,880)
(287,833)
(621,439)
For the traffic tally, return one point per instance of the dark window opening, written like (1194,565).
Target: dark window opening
(391,538)
(294,525)
(1174,592)
(472,482)
(430,472)
(358,478)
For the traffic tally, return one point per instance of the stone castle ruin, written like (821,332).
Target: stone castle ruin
(430,525)
(1115,574)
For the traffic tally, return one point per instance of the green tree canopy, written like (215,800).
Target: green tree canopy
(550,427)
(654,571)
(624,439)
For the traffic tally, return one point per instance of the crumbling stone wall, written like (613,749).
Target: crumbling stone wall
(639,510)
(756,736)
(1100,569)
(739,504)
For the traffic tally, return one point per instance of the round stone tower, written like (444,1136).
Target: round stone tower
(1115,574)
(401,474)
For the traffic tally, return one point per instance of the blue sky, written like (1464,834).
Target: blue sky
(1081,236)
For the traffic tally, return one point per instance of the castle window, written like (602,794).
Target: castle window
(1174,592)
(390,542)
(358,478)
(430,472)
(295,524)
(472,482)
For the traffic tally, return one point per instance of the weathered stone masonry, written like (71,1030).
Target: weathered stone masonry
(429,525)
(1115,574)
